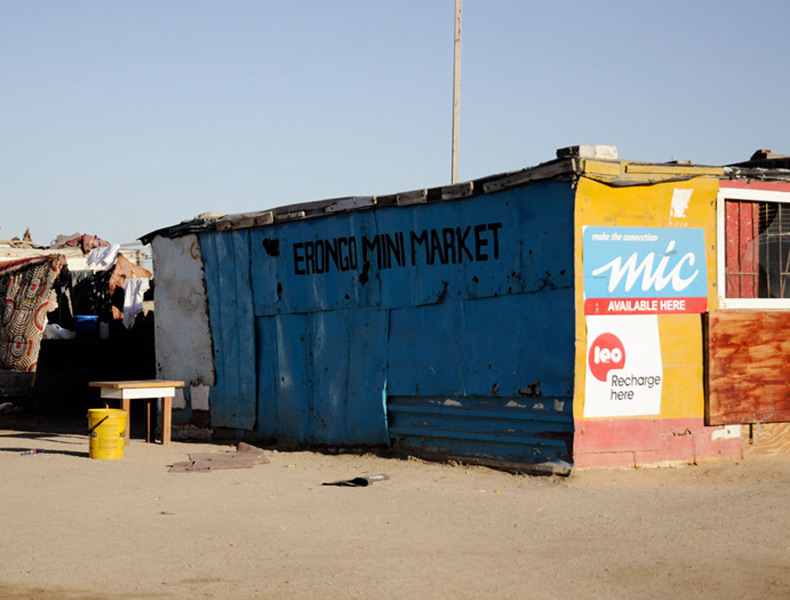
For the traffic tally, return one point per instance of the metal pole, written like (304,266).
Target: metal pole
(456,88)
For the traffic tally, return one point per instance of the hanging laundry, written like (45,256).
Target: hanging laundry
(26,294)
(124,271)
(103,257)
(134,291)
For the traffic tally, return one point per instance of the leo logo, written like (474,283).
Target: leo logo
(606,353)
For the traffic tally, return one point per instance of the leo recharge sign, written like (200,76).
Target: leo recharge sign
(624,369)
(644,270)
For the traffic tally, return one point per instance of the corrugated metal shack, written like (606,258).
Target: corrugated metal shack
(538,319)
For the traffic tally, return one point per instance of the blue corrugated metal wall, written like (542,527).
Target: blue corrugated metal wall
(447,327)
(493,384)
(227,260)
(321,375)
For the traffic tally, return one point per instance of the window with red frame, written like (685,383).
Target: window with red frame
(757,255)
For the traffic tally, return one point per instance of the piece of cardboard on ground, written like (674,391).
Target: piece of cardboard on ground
(245,457)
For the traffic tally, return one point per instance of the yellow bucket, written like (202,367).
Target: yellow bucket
(106,432)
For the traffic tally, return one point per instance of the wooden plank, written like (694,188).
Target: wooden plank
(346,204)
(167,420)
(137,383)
(245,220)
(750,221)
(766,438)
(748,367)
(674,170)
(138,393)
(410,198)
(543,171)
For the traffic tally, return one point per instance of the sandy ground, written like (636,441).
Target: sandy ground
(73,528)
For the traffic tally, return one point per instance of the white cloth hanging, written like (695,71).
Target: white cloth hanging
(134,290)
(103,257)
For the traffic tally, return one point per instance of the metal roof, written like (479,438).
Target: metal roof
(597,162)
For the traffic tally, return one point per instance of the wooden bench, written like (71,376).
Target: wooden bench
(149,390)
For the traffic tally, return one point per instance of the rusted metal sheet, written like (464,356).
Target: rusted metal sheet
(748,359)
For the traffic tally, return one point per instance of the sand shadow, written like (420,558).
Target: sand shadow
(22,452)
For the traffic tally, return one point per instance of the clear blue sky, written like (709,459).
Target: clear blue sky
(121,117)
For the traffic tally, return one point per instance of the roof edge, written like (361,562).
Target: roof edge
(207,222)
(597,162)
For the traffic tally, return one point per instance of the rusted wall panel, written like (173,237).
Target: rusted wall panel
(748,367)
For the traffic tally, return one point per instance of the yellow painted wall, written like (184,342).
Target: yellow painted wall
(681,335)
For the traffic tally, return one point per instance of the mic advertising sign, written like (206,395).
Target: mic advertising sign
(644,271)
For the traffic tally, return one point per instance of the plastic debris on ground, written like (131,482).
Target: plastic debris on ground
(359,481)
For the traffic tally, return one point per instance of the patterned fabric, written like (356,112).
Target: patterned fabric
(25,287)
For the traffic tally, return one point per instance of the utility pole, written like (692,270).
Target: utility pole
(456,89)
